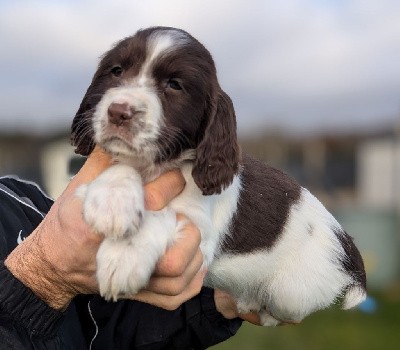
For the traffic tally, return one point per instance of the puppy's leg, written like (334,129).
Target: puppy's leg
(124,266)
(113,203)
(244,306)
(267,320)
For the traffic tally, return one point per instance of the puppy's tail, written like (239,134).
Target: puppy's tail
(353,264)
(355,295)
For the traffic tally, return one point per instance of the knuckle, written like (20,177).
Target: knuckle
(192,227)
(153,198)
(172,267)
(195,233)
(190,231)
(197,287)
(177,287)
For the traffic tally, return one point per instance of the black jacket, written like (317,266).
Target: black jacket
(26,322)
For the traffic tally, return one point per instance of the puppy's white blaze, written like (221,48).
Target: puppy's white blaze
(301,273)
(354,296)
(160,42)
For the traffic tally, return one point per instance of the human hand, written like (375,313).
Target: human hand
(178,275)
(226,305)
(57,261)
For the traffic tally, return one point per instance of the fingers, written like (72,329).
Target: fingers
(96,163)
(178,257)
(227,306)
(162,190)
(176,285)
(179,274)
(172,302)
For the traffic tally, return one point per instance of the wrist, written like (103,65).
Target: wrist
(22,307)
(227,306)
(29,266)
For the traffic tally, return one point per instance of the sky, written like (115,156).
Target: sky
(298,66)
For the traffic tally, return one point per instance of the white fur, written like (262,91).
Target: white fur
(159,43)
(354,296)
(113,203)
(211,214)
(124,266)
(142,99)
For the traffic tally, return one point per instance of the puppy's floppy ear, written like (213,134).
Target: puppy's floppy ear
(218,154)
(81,129)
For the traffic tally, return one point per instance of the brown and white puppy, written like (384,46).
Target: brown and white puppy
(155,104)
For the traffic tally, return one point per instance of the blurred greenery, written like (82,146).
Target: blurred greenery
(330,329)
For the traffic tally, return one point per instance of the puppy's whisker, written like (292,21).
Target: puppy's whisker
(82,130)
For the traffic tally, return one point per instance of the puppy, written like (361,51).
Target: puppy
(155,104)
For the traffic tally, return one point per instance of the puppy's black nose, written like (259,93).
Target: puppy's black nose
(118,113)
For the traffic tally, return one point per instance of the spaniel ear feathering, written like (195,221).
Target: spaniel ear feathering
(155,104)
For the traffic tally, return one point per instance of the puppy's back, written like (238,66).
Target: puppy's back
(263,208)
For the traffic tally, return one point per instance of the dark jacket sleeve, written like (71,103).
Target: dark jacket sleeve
(26,322)
(134,325)
(204,326)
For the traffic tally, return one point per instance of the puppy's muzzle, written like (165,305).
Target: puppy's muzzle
(120,114)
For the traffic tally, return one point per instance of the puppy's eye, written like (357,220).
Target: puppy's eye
(116,71)
(174,84)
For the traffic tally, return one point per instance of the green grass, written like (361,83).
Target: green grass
(331,329)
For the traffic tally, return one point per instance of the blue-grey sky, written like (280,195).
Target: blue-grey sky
(296,65)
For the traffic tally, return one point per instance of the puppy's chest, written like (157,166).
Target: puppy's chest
(211,214)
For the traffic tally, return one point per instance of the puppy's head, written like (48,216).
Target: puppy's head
(155,95)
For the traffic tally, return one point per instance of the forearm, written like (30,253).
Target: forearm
(27,322)
(22,312)
(44,261)
(28,265)
(208,325)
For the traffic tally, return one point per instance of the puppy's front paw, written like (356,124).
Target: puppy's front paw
(124,266)
(113,204)
(268,320)
(120,273)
